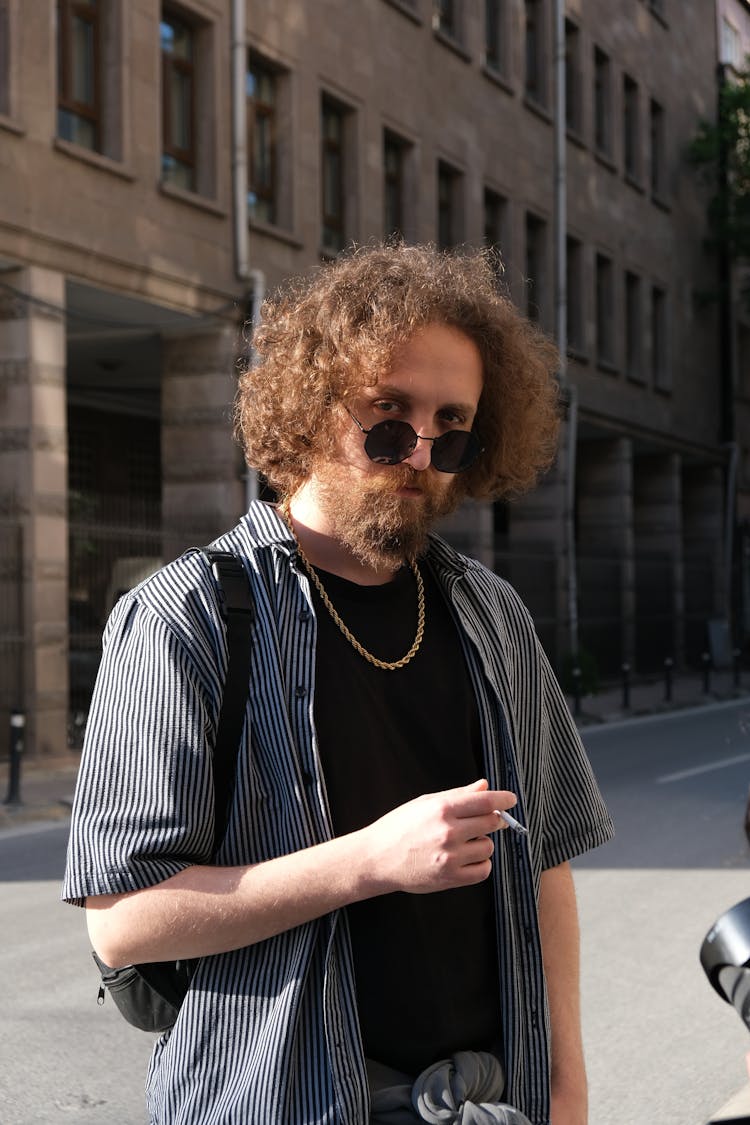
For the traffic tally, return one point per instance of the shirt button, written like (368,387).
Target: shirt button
(534,1019)
(300,691)
(304,615)
(528,934)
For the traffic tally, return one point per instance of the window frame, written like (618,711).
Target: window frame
(657,148)
(602,103)
(7,59)
(661,376)
(573,79)
(633,324)
(631,129)
(449,177)
(188,158)
(331,222)
(536,238)
(393,142)
(535,15)
(451,30)
(269,111)
(575,329)
(495,46)
(67,12)
(604,309)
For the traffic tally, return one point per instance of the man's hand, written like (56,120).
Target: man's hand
(437,841)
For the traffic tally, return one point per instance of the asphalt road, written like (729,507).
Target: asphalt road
(62,1058)
(661,1046)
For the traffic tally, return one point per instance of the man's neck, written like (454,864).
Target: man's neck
(323,549)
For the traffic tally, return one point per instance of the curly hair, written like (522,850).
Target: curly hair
(325,337)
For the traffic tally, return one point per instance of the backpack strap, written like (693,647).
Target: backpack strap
(238,612)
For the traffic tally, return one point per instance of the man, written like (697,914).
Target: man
(369,915)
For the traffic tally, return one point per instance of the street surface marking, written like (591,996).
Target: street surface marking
(720,765)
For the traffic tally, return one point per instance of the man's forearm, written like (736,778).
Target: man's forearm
(558,921)
(434,842)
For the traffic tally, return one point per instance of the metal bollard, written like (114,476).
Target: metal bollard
(576,674)
(625,687)
(706,658)
(668,671)
(17,724)
(736,666)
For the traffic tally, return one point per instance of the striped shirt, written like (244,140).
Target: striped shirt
(269,1033)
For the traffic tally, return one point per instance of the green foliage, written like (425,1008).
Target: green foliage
(585,661)
(721,153)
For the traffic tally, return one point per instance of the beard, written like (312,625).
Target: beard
(379,527)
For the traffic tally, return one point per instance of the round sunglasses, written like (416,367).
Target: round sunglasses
(392,441)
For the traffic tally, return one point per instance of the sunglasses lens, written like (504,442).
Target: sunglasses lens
(455,451)
(389,443)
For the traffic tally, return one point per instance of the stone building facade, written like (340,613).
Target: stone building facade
(164,164)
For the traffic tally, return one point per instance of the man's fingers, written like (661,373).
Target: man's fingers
(469,802)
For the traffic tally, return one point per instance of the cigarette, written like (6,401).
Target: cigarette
(512,822)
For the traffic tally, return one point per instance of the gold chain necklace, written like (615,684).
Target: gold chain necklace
(384,664)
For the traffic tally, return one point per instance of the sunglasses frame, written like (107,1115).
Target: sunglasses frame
(478,448)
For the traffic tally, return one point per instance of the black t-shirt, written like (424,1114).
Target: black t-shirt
(425,965)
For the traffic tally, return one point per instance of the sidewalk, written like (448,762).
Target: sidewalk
(47,784)
(617,703)
(45,790)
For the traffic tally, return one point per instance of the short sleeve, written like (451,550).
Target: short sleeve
(143,808)
(575,816)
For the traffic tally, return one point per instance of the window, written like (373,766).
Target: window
(494,39)
(536,230)
(657,140)
(445,17)
(630,128)
(449,206)
(534,80)
(178,102)
(573,100)
(79,73)
(5,59)
(660,374)
(605,350)
(602,103)
(395,153)
(633,327)
(574,289)
(495,208)
(731,44)
(262,199)
(332,158)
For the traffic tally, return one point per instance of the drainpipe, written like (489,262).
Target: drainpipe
(255,277)
(730,515)
(727,360)
(570,392)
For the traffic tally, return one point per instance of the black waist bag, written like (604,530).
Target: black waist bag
(149,996)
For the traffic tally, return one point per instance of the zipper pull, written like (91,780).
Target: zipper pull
(100,995)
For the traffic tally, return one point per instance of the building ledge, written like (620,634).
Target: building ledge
(11,125)
(94,159)
(192,199)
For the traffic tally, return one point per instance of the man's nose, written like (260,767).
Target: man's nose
(421,455)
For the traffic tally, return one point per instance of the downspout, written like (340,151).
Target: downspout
(569,391)
(255,277)
(726,358)
(729,523)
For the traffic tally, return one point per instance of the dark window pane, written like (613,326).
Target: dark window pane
(83,62)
